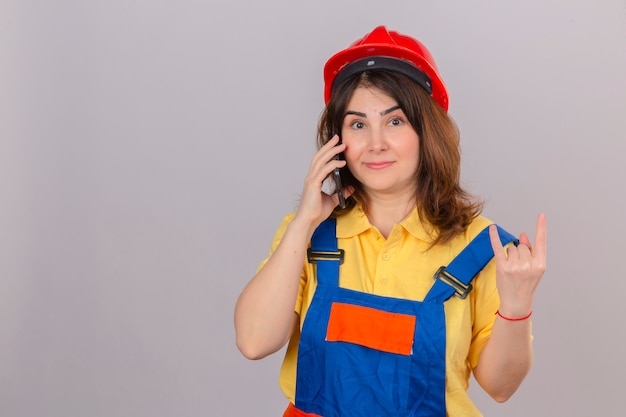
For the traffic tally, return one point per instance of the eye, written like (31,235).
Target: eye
(396,122)
(357,125)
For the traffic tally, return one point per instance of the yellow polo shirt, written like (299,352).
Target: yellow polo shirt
(402,266)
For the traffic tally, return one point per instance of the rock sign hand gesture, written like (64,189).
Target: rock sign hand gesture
(519,270)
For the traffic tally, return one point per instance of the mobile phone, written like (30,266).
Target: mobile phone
(339,188)
(338,185)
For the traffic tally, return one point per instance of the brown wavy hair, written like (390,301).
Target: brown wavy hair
(441,200)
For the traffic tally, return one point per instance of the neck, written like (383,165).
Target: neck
(384,213)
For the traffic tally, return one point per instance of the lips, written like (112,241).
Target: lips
(378,165)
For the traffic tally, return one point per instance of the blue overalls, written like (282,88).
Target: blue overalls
(364,355)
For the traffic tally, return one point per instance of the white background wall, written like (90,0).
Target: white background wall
(149,149)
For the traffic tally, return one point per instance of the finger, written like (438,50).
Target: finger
(521,251)
(496,244)
(325,152)
(338,148)
(540,237)
(331,154)
(331,142)
(524,240)
(332,145)
(324,160)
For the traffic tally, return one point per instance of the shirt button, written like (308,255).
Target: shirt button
(384,280)
(386,256)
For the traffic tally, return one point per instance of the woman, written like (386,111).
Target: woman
(375,325)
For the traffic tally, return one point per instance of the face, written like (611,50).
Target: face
(382,148)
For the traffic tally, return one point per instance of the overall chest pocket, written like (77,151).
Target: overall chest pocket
(368,360)
(376,329)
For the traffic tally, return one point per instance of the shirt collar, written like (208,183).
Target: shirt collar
(356,222)
(414,225)
(352,223)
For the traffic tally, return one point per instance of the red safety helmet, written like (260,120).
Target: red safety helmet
(384,50)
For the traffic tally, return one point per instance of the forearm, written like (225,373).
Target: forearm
(264,313)
(508,355)
(506,358)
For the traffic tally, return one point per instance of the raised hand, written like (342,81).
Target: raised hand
(519,270)
(316,205)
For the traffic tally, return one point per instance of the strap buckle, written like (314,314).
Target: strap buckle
(316,255)
(460,290)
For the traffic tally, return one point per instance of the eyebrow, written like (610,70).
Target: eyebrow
(389,110)
(382,113)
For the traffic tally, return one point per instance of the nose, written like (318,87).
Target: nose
(377,140)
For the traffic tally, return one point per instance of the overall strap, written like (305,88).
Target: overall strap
(325,253)
(456,278)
